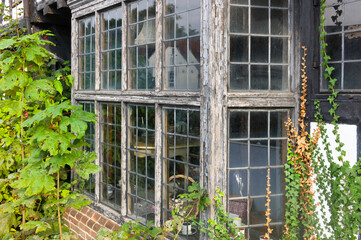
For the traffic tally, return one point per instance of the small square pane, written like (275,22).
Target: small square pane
(239,46)
(181,122)
(181,25)
(194,22)
(279,3)
(238,77)
(259,20)
(279,78)
(259,77)
(279,21)
(238,122)
(279,50)
(352,77)
(352,43)
(238,183)
(239,20)
(259,153)
(259,2)
(258,178)
(259,124)
(278,152)
(238,154)
(259,49)
(277,121)
(169,27)
(169,6)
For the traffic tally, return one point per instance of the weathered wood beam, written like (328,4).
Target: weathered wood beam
(61,4)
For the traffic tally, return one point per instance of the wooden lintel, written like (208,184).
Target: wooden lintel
(48,10)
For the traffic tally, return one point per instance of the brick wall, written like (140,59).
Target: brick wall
(87,222)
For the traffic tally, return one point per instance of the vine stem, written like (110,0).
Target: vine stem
(22,144)
(58,197)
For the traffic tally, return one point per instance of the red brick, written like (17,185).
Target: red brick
(74,221)
(97,227)
(102,220)
(90,223)
(96,216)
(73,212)
(110,224)
(84,210)
(78,216)
(93,234)
(83,227)
(84,219)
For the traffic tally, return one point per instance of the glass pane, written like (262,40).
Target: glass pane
(238,124)
(259,153)
(352,45)
(278,152)
(238,183)
(181,77)
(334,46)
(168,76)
(279,3)
(259,49)
(239,20)
(238,154)
(276,181)
(257,212)
(181,6)
(259,20)
(181,25)
(279,22)
(279,77)
(352,18)
(151,55)
(142,10)
(194,123)
(169,119)
(259,125)
(239,1)
(151,8)
(169,6)
(335,74)
(259,77)
(239,46)
(259,2)
(194,52)
(258,178)
(239,77)
(352,78)
(333,17)
(181,122)
(194,22)
(169,27)
(277,120)
(279,50)
(142,52)
(181,52)
(239,207)
(194,4)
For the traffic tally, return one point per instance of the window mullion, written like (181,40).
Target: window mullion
(97,50)
(158,164)
(158,45)
(124,158)
(75,58)
(97,139)
(125,48)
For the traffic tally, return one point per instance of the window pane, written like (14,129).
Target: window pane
(279,77)
(142,47)
(180,154)
(239,20)
(352,46)
(111,158)
(352,78)
(259,20)
(87,53)
(239,77)
(279,22)
(239,46)
(141,152)
(181,56)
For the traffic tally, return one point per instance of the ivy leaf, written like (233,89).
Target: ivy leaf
(59,161)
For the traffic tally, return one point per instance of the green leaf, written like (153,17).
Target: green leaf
(6,43)
(58,86)
(38,225)
(7,221)
(36,87)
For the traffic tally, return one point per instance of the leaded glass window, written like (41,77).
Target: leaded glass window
(111,50)
(141,162)
(141,42)
(86,53)
(181,45)
(259,43)
(110,125)
(343,27)
(257,141)
(181,155)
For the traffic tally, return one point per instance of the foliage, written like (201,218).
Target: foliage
(41,139)
(338,181)
(299,173)
(221,227)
